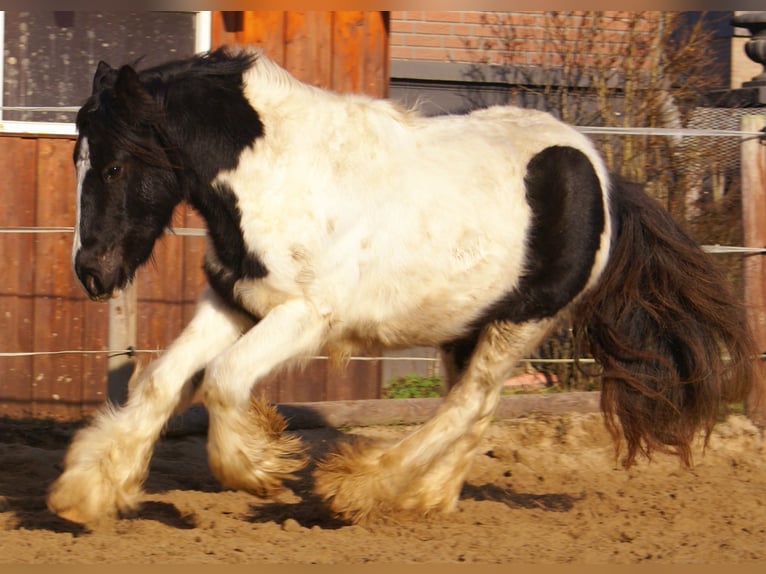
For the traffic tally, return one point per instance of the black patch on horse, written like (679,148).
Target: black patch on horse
(230,126)
(232,260)
(568,218)
(205,95)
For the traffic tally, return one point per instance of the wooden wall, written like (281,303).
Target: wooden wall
(344,51)
(42,307)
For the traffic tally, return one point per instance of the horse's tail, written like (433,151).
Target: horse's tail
(670,336)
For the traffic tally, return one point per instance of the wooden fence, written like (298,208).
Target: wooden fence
(41,307)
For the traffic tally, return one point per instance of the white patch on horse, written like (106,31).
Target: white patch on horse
(82,168)
(404,287)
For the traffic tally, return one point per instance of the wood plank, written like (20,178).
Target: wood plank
(266,29)
(160,295)
(358,380)
(121,338)
(304,385)
(349,46)
(18,164)
(94,367)
(308,47)
(413,411)
(376,61)
(194,280)
(268,388)
(57,390)
(219,36)
(754,231)
(338,414)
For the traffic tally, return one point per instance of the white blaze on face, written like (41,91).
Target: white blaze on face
(82,167)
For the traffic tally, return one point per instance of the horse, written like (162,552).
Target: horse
(340,223)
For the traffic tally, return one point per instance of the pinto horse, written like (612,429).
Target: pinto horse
(338,222)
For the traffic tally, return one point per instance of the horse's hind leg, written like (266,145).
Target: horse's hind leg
(425,471)
(456,356)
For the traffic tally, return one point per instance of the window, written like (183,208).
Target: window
(49,58)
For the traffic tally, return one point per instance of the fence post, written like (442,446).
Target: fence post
(122,335)
(754,230)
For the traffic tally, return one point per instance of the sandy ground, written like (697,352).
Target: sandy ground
(543,489)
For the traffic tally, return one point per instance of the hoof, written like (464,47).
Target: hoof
(251,452)
(349,481)
(364,481)
(103,473)
(85,497)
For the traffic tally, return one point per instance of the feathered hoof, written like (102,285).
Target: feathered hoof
(364,482)
(104,469)
(251,452)
(83,495)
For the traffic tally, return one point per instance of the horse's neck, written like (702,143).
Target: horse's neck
(271,89)
(269,76)
(210,128)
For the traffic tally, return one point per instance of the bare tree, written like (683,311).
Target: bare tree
(620,69)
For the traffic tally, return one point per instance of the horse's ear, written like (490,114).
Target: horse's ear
(104,76)
(128,87)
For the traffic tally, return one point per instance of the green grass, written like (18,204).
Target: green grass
(413,387)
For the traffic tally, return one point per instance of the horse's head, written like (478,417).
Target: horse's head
(126,184)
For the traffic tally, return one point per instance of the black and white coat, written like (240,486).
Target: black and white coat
(336,223)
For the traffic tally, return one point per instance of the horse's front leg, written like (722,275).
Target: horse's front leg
(107,461)
(247,449)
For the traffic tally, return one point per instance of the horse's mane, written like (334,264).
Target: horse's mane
(216,65)
(223,61)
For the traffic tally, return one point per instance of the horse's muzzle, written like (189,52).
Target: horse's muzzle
(100,275)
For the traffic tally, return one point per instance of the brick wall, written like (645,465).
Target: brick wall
(520,38)
(439,36)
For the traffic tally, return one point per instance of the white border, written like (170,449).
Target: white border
(38,128)
(202,42)
(203,30)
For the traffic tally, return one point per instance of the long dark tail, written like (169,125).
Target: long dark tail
(669,334)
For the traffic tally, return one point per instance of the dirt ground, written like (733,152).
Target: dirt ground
(543,489)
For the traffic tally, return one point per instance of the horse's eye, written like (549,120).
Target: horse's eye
(112,172)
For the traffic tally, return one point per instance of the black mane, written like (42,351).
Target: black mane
(214,64)
(196,94)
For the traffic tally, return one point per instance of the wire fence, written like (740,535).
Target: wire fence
(201,232)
